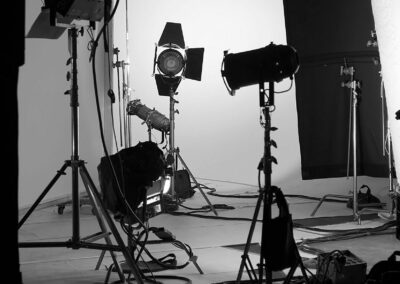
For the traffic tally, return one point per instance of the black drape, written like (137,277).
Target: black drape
(327,35)
(12,58)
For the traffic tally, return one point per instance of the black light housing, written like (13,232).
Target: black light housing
(175,61)
(272,63)
(57,15)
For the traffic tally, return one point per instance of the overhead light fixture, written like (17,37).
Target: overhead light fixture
(174,61)
(58,15)
(272,63)
(77,9)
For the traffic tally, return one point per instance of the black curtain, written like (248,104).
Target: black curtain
(329,34)
(12,59)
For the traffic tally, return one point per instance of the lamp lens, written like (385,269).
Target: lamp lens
(170,62)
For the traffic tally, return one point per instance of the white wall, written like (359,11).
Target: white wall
(44,113)
(220,136)
(387,25)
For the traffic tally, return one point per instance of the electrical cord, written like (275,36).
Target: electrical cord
(365,231)
(284,91)
(93,60)
(176,243)
(170,277)
(110,93)
(163,235)
(211,191)
(195,212)
(345,235)
(136,241)
(207,208)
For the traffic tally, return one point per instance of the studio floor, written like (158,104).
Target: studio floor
(217,243)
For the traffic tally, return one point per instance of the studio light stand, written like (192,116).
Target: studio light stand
(387,151)
(174,153)
(386,143)
(119,64)
(265,197)
(78,169)
(271,63)
(354,86)
(173,63)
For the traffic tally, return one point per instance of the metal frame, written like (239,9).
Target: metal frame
(265,196)
(174,153)
(352,84)
(78,169)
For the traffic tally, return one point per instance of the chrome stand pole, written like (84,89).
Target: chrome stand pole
(174,154)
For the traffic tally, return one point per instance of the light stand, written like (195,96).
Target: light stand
(354,86)
(265,195)
(387,150)
(124,118)
(118,64)
(78,168)
(174,154)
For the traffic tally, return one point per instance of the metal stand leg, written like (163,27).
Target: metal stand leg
(354,86)
(78,168)
(175,151)
(96,199)
(325,197)
(265,196)
(195,181)
(96,207)
(387,150)
(245,257)
(60,172)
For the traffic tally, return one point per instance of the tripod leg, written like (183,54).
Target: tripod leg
(195,181)
(60,172)
(250,236)
(101,257)
(102,225)
(128,257)
(299,263)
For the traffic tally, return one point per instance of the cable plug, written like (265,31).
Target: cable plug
(111,95)
(219,206)
(163,234)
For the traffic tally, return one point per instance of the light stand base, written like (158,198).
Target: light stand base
(265,197)
(102,217)
(173,153)
(356,213)
(178,155)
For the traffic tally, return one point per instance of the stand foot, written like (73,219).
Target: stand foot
(195,181)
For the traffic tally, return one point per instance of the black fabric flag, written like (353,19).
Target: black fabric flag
(327,35)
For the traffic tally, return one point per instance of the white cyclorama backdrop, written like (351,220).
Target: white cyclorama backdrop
(45,113)
(219,136)
(387,25)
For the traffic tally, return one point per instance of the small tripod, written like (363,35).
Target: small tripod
(174,154)
(78,168)
(265,195)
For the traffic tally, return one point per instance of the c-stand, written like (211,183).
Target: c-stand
(265,195)
(174,154)
(78,168)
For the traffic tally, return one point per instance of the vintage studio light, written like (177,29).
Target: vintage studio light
(272,63)
(175,61)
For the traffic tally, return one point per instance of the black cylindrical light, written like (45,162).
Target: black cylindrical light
(272,63)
